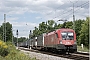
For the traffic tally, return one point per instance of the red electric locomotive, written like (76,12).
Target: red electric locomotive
(58,40)
(61,40)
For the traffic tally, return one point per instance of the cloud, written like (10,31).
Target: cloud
(37,6)
(23,27)
(18,6)
(12,19)
(49,9)
(38,17)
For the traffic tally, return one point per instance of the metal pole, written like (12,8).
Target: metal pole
(73,18)
(5,26)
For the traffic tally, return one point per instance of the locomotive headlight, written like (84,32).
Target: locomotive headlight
(75,42)
(60,42)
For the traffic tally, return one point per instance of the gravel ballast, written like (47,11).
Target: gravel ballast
(40,56)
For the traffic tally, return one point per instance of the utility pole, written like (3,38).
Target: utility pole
(73,18)
(4,28)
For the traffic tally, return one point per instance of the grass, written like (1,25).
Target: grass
(79,48)
(15,54)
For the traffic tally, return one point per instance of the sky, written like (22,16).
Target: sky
(24,15)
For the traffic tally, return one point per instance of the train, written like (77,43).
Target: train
(63,40)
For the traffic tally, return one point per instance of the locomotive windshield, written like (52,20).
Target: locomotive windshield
(67,35)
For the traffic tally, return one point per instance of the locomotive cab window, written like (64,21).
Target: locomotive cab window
(67,35)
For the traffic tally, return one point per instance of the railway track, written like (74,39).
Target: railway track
(74,56)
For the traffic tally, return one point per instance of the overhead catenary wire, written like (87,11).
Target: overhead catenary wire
(72,9)
(69,11)
(73,2)
(69,15)
(64,12)
(75,11)
(56,9)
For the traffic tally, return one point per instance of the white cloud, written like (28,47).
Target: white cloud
(50,9)
(18,6)
(38,17)
(36,6)
(24,25)
(23,28)
(12,19)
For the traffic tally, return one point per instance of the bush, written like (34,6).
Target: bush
(3,49)
(11,53)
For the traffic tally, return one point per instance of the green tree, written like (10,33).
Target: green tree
(0,37)
(36,32)
(59,26)
(84,33)
(21,39)
(55,26)
(42,27)
(69,25)
(78,26)
(8,31)
(50,25)
(15,41)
